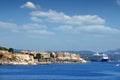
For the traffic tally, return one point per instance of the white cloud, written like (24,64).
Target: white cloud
(29,5)
(118,2)
(36,19)
(40,32)
(94,29)
(30,28)
(36,29)
(34,26)
(99,29)
(65,28)
(8,25)
(60,17)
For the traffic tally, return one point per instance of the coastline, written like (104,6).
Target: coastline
(34,58)
(38,63)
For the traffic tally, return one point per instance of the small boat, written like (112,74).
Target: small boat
(117,65)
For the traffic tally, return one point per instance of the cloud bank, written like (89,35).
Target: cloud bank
(60,17)
(76,23)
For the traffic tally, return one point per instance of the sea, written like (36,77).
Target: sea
(73,71)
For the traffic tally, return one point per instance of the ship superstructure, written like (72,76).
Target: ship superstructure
(99,57)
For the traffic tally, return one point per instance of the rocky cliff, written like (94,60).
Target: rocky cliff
(16,59)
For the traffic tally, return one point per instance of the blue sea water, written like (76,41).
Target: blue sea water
(89,71)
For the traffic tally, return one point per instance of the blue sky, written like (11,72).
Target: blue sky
(60,24)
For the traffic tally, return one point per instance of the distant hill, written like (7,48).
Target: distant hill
(114,55)
(117,51)
(17,50)
(80,52)
(86,54)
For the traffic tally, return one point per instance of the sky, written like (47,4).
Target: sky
(60,25)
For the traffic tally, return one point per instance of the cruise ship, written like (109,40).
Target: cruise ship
(99,57)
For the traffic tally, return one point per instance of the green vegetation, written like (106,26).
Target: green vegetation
(11,50)
(6,49)
(13,58)
(3,48)
(51,55)
(38,56)
(1,55)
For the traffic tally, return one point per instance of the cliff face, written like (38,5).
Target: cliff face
(16,59)
(22,59)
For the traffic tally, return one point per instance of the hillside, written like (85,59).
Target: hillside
(117,51)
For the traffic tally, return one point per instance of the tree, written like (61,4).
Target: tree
(38,56)
(11,50)
(1,55)
(51,55)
